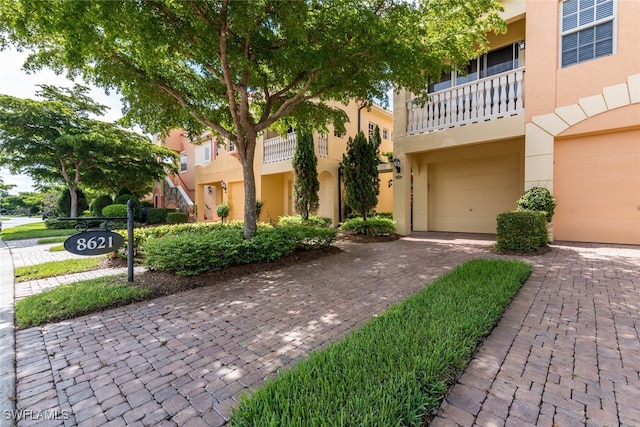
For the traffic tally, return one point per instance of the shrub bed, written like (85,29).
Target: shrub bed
(158,215)
(318,221)
(521,231)
(177,218)
(374,226)
(394,370)
(193,252)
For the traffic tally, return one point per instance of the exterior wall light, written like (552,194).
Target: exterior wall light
(390,183)
(396,163)
(224,186)
(521,45)
(209,190)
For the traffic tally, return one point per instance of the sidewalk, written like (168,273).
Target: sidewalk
(565,352)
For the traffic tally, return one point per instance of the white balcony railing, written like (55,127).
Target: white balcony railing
(283,148)
(490,98)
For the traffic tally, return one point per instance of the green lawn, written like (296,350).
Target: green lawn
(68,301)
(35,230)
(395,370)
(56,268)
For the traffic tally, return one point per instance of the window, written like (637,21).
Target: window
(371,129)
(385,133)
(183,162)
(207,152)
(497,61)
(586,30)
(232,146)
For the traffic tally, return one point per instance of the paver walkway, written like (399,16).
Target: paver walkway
(565,353)
(28,252)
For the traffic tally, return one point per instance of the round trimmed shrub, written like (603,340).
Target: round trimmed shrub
(538,199)
(99,203)
(137,206)
(115,210)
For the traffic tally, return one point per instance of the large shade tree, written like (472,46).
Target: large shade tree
(238,67)
(54,140)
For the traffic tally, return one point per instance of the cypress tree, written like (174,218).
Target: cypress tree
(305,168)
(361,178)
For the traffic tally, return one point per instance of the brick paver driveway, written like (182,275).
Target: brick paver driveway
(185,359)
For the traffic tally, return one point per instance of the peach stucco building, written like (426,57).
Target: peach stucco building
(211,173)
(554,103)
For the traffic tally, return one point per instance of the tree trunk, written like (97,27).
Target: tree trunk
(250,214)
(73,194)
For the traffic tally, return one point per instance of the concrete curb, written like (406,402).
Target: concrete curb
(7,337)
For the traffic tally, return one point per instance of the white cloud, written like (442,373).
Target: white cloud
(16,82)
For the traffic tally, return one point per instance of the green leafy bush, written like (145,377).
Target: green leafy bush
(137,206)
(55,224)
(394,370)
(177,217)
(158,215)
(521,231)
(374,226)
(191,253)
(538,199)
(64,202)
(222,210)
(315,221)
(115,210)
(99,203)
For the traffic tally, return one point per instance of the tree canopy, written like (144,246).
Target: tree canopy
(55,141)
(239,67)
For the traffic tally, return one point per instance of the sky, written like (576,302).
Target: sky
(16,82)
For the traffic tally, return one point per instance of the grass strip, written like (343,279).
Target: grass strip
(56,268)
(57,248)
(76,299)
(394,370)
(52,240)
(35,230)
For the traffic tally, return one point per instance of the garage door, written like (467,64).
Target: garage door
(466,195)
(597,187)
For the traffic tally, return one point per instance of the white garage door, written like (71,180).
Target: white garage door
(466,195)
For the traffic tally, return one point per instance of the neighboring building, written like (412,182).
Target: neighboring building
(554,103)
(212,173)
(177,190)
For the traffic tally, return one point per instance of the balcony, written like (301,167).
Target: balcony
(494,97)
(283,148)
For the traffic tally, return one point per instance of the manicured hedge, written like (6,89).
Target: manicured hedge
(158,215)
(319,221)
(115,210)
(374,226)
(521,231)
(191,253)
(177,218)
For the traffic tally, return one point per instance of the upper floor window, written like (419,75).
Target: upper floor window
(385,133)
(183,162)
(491,63)
(586,30)
(372,127)
(207,152)
(232,147)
